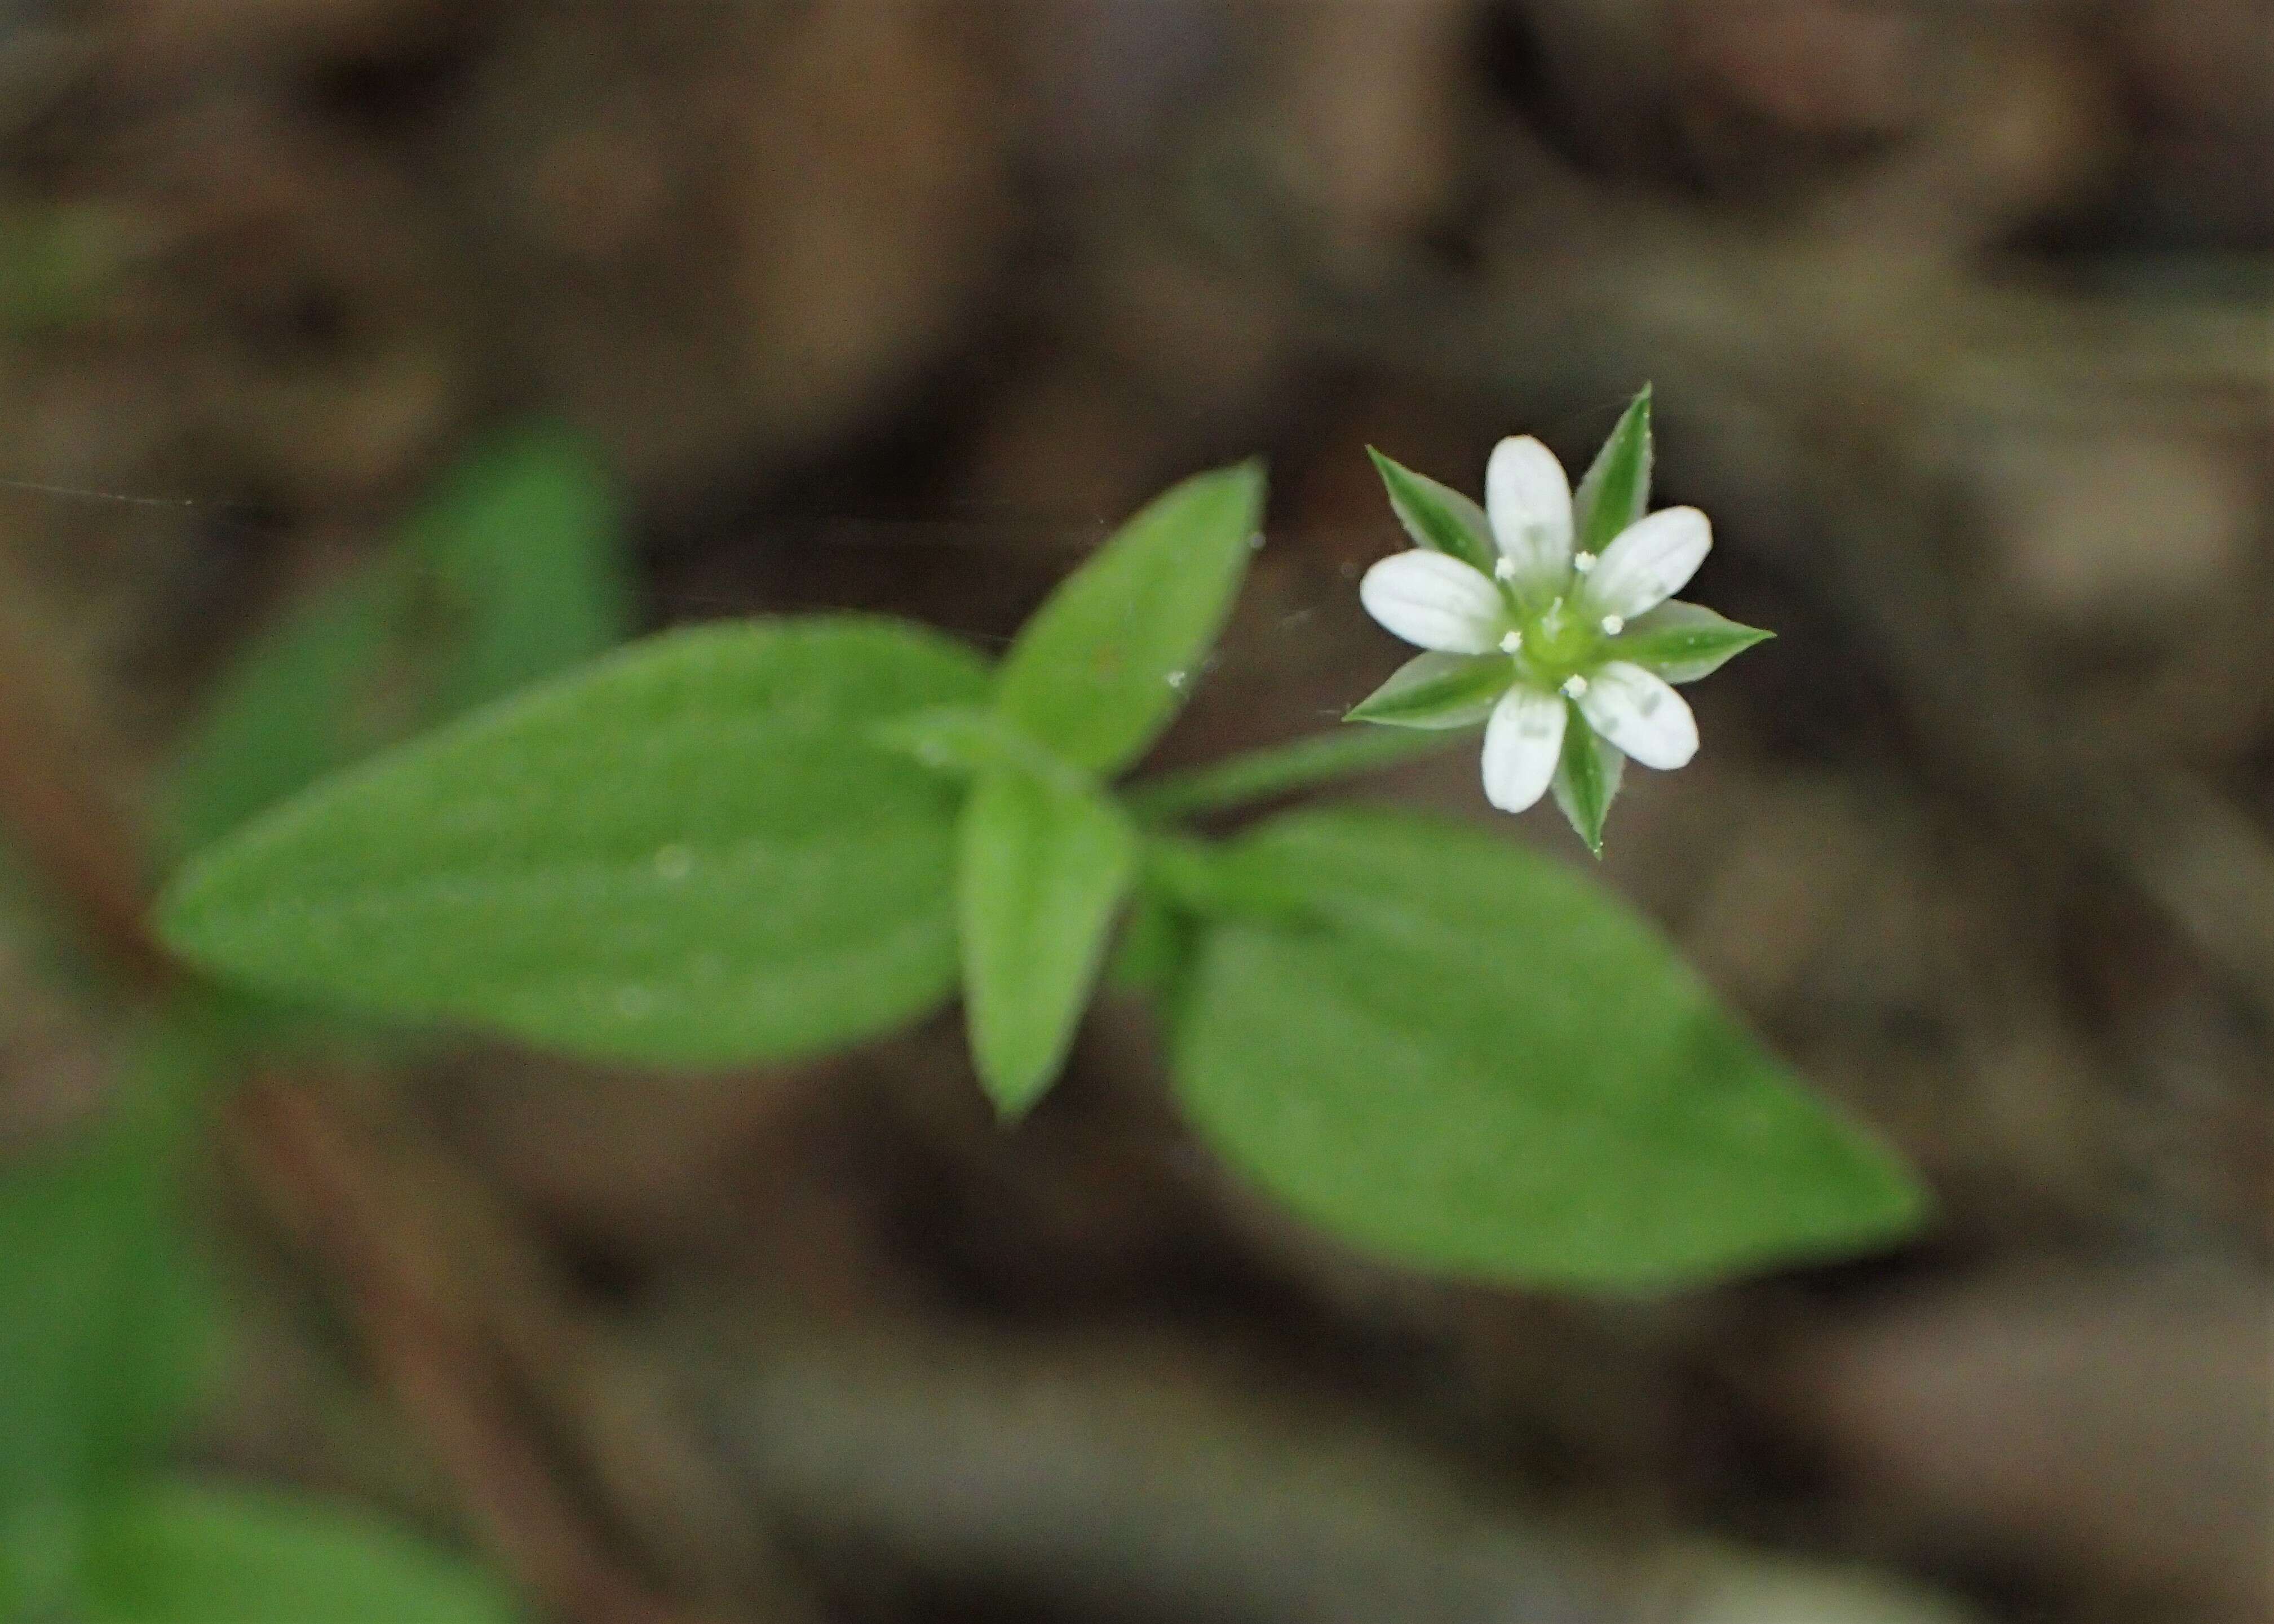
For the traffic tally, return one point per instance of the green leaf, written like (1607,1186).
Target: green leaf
(1154,948)
(1587,777)
(1684,642)
(1616,489)
(511,572)
(106,1320)
(1105,665)
(1470,1059)
(970,740)
(299,703)
(1042,869)
(688,853)
(1437,516)
(525,544)
(1438,690)
(178,1553)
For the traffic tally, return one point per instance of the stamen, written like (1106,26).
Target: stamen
(1584,562)
(1614,624)
(1574,687)
(1510,642)
(1505,570)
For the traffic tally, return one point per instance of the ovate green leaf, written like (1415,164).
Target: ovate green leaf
(1616,492)
(1105,663)
(1438,690)
(688,853)
(1437,516)
(1684,642)
(1043,868)
(176,1554)
(1469,1059)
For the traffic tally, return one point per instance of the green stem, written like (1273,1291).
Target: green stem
(1282,769)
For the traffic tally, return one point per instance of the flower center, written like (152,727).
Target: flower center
(1557,644)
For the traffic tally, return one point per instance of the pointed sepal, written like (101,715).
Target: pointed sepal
(1684,642)
(1438,690)
(1587,780)
(1437,516)
(1616,491)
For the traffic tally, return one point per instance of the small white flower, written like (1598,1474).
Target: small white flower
(1564,620)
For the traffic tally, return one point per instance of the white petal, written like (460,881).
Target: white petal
(1649,562)
(1636,711)
(1434,601)
(1523,743)
(1529,499)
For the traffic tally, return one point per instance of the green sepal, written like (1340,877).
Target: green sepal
(1042,868)
(1616,489)
(1438,690)
(1684,642)
(1587,778)
(1437,516)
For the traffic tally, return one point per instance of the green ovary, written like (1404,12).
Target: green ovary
(1557,644)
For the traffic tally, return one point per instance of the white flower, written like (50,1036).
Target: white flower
(1575,632)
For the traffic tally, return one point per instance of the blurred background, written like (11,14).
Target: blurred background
(1958,317)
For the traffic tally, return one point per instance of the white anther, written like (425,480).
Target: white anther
(1584,563)
(1510,642)
(1574,687)
(1505,570)
(1613,625)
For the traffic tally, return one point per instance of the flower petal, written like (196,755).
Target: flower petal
(1523,743)
(1649,563)
(1435,602)
(1640,713)
(1529,498)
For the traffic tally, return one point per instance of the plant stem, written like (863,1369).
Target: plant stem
(1283,769)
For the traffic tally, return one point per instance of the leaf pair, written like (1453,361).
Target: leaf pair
(1045,857)
(712,848)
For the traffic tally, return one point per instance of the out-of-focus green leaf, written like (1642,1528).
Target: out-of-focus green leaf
(1105,665)
(1616,492)
(514,570)
(300,704)
(1437,516)
(107,1323)
(1684,642)
(525,543)
(1043,866)
(686,854)
(1467,1059)
(180,1554)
